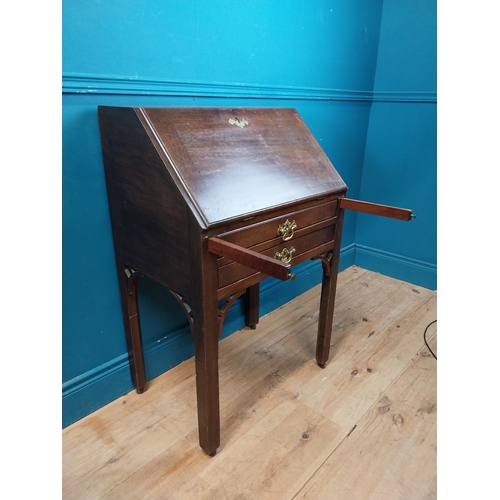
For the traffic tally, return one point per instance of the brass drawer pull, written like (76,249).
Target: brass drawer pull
(286,230)
(285,255)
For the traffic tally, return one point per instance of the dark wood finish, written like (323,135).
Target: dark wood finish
(257,277)
(234,271)
(330,263)
(249,258)
(377,209)
(252,299)
(143,201)
(202,200)
(127,282)
(307,219)
(269,162)
(206,349)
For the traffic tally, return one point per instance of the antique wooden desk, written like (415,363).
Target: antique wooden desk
(209,202)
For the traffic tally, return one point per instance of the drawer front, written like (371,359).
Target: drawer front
(310,231)
(284,229)
(294,251)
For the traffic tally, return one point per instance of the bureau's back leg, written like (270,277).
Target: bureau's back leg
(252,297)
(127,281)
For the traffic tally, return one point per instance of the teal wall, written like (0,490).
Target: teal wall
(400,155)
(319,57)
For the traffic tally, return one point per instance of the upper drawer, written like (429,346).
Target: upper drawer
(283,228)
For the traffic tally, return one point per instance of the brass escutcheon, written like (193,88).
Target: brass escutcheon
(285,255)
(286,230)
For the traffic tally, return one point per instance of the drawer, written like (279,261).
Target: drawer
(302,247)
(283,229)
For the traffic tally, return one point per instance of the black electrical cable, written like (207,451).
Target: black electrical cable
(425,340)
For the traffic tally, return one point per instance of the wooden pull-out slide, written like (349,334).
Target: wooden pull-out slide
(376,209)
(249,258)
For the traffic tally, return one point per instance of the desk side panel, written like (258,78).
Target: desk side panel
(149,217)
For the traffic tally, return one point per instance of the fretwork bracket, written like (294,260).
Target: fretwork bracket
(130,275)
(326,261)
(185,306)
(221,313)
(228,303)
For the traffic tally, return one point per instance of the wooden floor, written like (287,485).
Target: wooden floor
(363,428)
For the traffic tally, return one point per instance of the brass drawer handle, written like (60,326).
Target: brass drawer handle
(285,255)
(286,230)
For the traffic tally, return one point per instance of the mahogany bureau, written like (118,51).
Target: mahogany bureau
(209,202)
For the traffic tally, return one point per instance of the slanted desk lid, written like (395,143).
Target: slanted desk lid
(237,161)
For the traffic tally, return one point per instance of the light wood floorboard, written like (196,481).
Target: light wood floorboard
(363,428)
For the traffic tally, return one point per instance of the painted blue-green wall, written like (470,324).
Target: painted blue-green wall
(401,146)
(328,44)
(319,57)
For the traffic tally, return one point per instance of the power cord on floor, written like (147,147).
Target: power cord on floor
(425,340)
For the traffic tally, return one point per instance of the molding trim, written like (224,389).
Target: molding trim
(393,96)
(397,266)
(82,83)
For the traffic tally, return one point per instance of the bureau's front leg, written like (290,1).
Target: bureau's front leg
(206,348)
